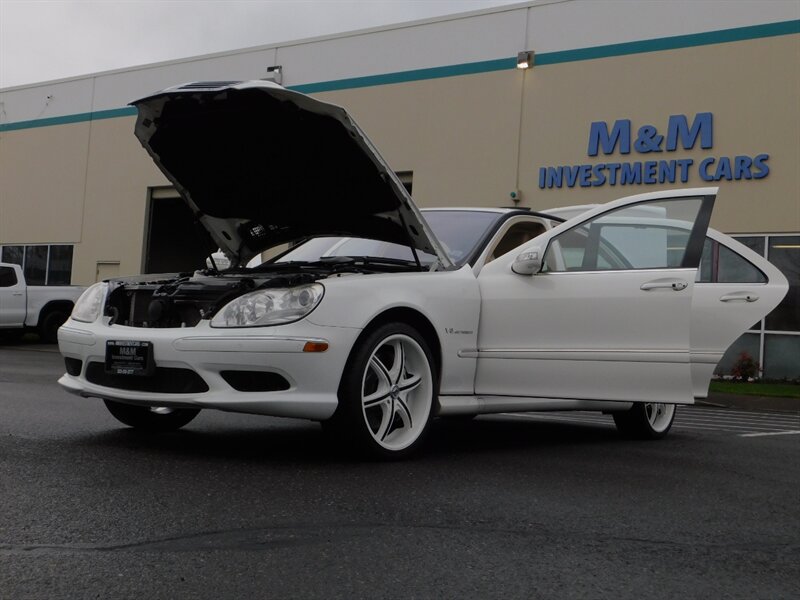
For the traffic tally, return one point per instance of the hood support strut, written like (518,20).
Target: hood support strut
(410,239)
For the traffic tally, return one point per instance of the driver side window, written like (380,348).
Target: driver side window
(517,234)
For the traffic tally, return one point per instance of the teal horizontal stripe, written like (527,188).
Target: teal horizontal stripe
(485,66)
(79,118)
(671,43)
(552,58)
(501,64)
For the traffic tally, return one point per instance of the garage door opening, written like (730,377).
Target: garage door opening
(173,242)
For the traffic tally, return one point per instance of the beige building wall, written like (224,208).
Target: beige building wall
(42,183)
(119,175)
(751,87)
(459,135)
(471,140)
(82,183)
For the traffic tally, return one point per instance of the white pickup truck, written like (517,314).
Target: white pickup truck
(39,307)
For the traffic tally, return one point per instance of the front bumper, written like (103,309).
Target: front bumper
(313,377)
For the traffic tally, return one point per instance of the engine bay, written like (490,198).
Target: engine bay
(185,300)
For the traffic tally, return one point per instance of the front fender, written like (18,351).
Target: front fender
(450,300)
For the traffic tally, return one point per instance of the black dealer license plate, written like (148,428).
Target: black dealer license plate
(129,357)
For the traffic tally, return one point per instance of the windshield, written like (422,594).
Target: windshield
(458,231)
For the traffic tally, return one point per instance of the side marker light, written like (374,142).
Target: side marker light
(315,347)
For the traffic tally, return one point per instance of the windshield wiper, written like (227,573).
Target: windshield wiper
(371,260)
(285,265)
(338,263)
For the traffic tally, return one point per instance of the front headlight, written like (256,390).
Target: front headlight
(90,304)
(269,307)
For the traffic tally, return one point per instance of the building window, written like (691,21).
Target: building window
(774,341)
(784,252)
(59,265)
(43,264)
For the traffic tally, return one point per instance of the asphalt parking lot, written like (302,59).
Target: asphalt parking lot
(508,506)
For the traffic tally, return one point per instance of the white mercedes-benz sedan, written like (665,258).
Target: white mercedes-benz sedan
(377,317)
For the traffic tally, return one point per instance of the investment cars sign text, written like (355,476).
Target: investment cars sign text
(663,166)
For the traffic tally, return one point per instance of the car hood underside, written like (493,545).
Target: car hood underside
(260,165)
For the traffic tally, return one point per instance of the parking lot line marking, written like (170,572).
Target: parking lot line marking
(750,413)
(761,434)
(756,424)
(744,413)
(795,424)
(728,428)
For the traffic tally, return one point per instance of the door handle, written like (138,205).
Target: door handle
(674,284)
(16,293)
(741,296)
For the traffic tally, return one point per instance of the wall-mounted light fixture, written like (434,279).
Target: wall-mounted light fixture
(275,73)
(525,59)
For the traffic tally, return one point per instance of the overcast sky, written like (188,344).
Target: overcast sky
(42,40)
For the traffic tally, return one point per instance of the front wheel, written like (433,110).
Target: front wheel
(147,418)
(646,420)
(387,393)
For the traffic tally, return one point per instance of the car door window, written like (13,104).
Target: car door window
(515,236)
(7,277)
(734,268)
(720,264)
(655,236)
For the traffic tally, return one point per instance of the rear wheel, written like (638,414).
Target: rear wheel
(646,420)
(48,328)
(387,393)
(151,418)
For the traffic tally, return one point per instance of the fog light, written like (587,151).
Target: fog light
(315,347)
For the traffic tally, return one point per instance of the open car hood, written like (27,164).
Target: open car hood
(260,165)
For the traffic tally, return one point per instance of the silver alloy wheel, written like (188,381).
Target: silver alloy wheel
(659,415)
(397,392)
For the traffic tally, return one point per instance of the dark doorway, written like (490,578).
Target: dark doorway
(173,241)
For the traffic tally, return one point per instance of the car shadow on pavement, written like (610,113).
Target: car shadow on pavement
(298,442)
(500,433)
(304,442)
(28,341)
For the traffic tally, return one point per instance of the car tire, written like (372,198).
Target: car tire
(48,328)
(646,420)
(387,394)
(149,418)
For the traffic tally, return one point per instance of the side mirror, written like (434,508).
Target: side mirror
(529,262)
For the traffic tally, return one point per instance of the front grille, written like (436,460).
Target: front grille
(165,380)
(255,381)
